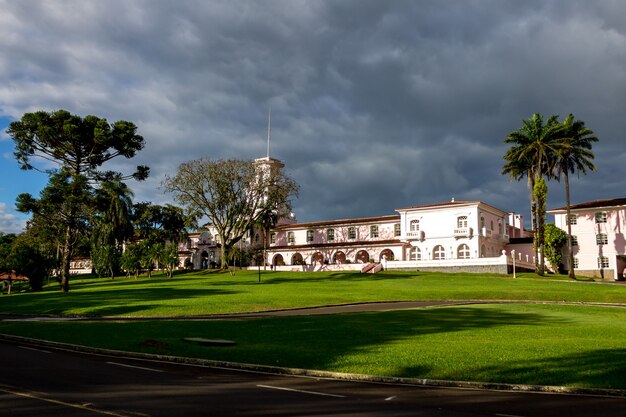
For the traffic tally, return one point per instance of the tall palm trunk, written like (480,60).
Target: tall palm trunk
(570,252)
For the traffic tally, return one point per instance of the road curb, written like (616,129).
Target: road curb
(277,370)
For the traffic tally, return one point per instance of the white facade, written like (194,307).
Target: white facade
(458,235)
(598,234)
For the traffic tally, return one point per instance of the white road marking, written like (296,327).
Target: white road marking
(323,394)
(63,403)
(36,350)
(134,367)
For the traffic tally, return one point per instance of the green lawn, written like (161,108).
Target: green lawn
(573,345)
(217,292)
(577,346)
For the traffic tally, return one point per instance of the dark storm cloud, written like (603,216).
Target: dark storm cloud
(375,105)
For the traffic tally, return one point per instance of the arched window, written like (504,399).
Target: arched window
(415,254)
(463,251)
(500,227)
(461,222)
(415,225)
(439,253)
(483,251)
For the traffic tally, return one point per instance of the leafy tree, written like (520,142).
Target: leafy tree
(78,147)
(573,156)
(232,194)
(131,259)
(156,223)
(105,260)
(168,257)
(6,246)
(555,240)
(111,226)
(150,253)
(30,259)
(541,195)
(533,155)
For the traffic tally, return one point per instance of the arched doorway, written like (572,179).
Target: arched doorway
(362,257)
(297,259)
(204,260)
(278,260)
(388,253)
(339,258)
(317,258)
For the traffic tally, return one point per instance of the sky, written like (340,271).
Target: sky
(375,105)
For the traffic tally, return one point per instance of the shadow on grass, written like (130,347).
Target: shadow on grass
(593,368)
(340,342)
(105,302)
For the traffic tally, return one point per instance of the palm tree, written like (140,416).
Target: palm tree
(573,156)
(533,155)
(116,203)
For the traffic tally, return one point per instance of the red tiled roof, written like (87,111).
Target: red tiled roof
(391,217)
(12,276)
(448,203)
(339,244)
(614,202)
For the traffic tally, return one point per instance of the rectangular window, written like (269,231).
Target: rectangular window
(309,236)
(571,219)
(291,238)
(374,231)
(461,222)
(396,229)
(330,235)
(351,232)
(574,240)
(603,262)
(575,263)
(273,238)
(602,239)
(601,217)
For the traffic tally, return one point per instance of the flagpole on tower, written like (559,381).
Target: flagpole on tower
(269,129)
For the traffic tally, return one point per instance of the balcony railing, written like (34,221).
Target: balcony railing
(463,232)
(415,235)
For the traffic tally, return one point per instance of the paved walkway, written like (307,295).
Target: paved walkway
(306,311)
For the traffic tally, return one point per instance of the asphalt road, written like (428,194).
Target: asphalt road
(45,382)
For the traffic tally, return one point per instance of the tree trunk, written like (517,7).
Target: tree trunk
(533,219)
(65,260)
(570,252)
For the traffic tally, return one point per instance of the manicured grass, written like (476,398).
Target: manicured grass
(205,292)
(526,343)
(579,346)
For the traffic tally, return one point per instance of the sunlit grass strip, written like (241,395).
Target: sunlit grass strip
(218,292)
(530,344)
